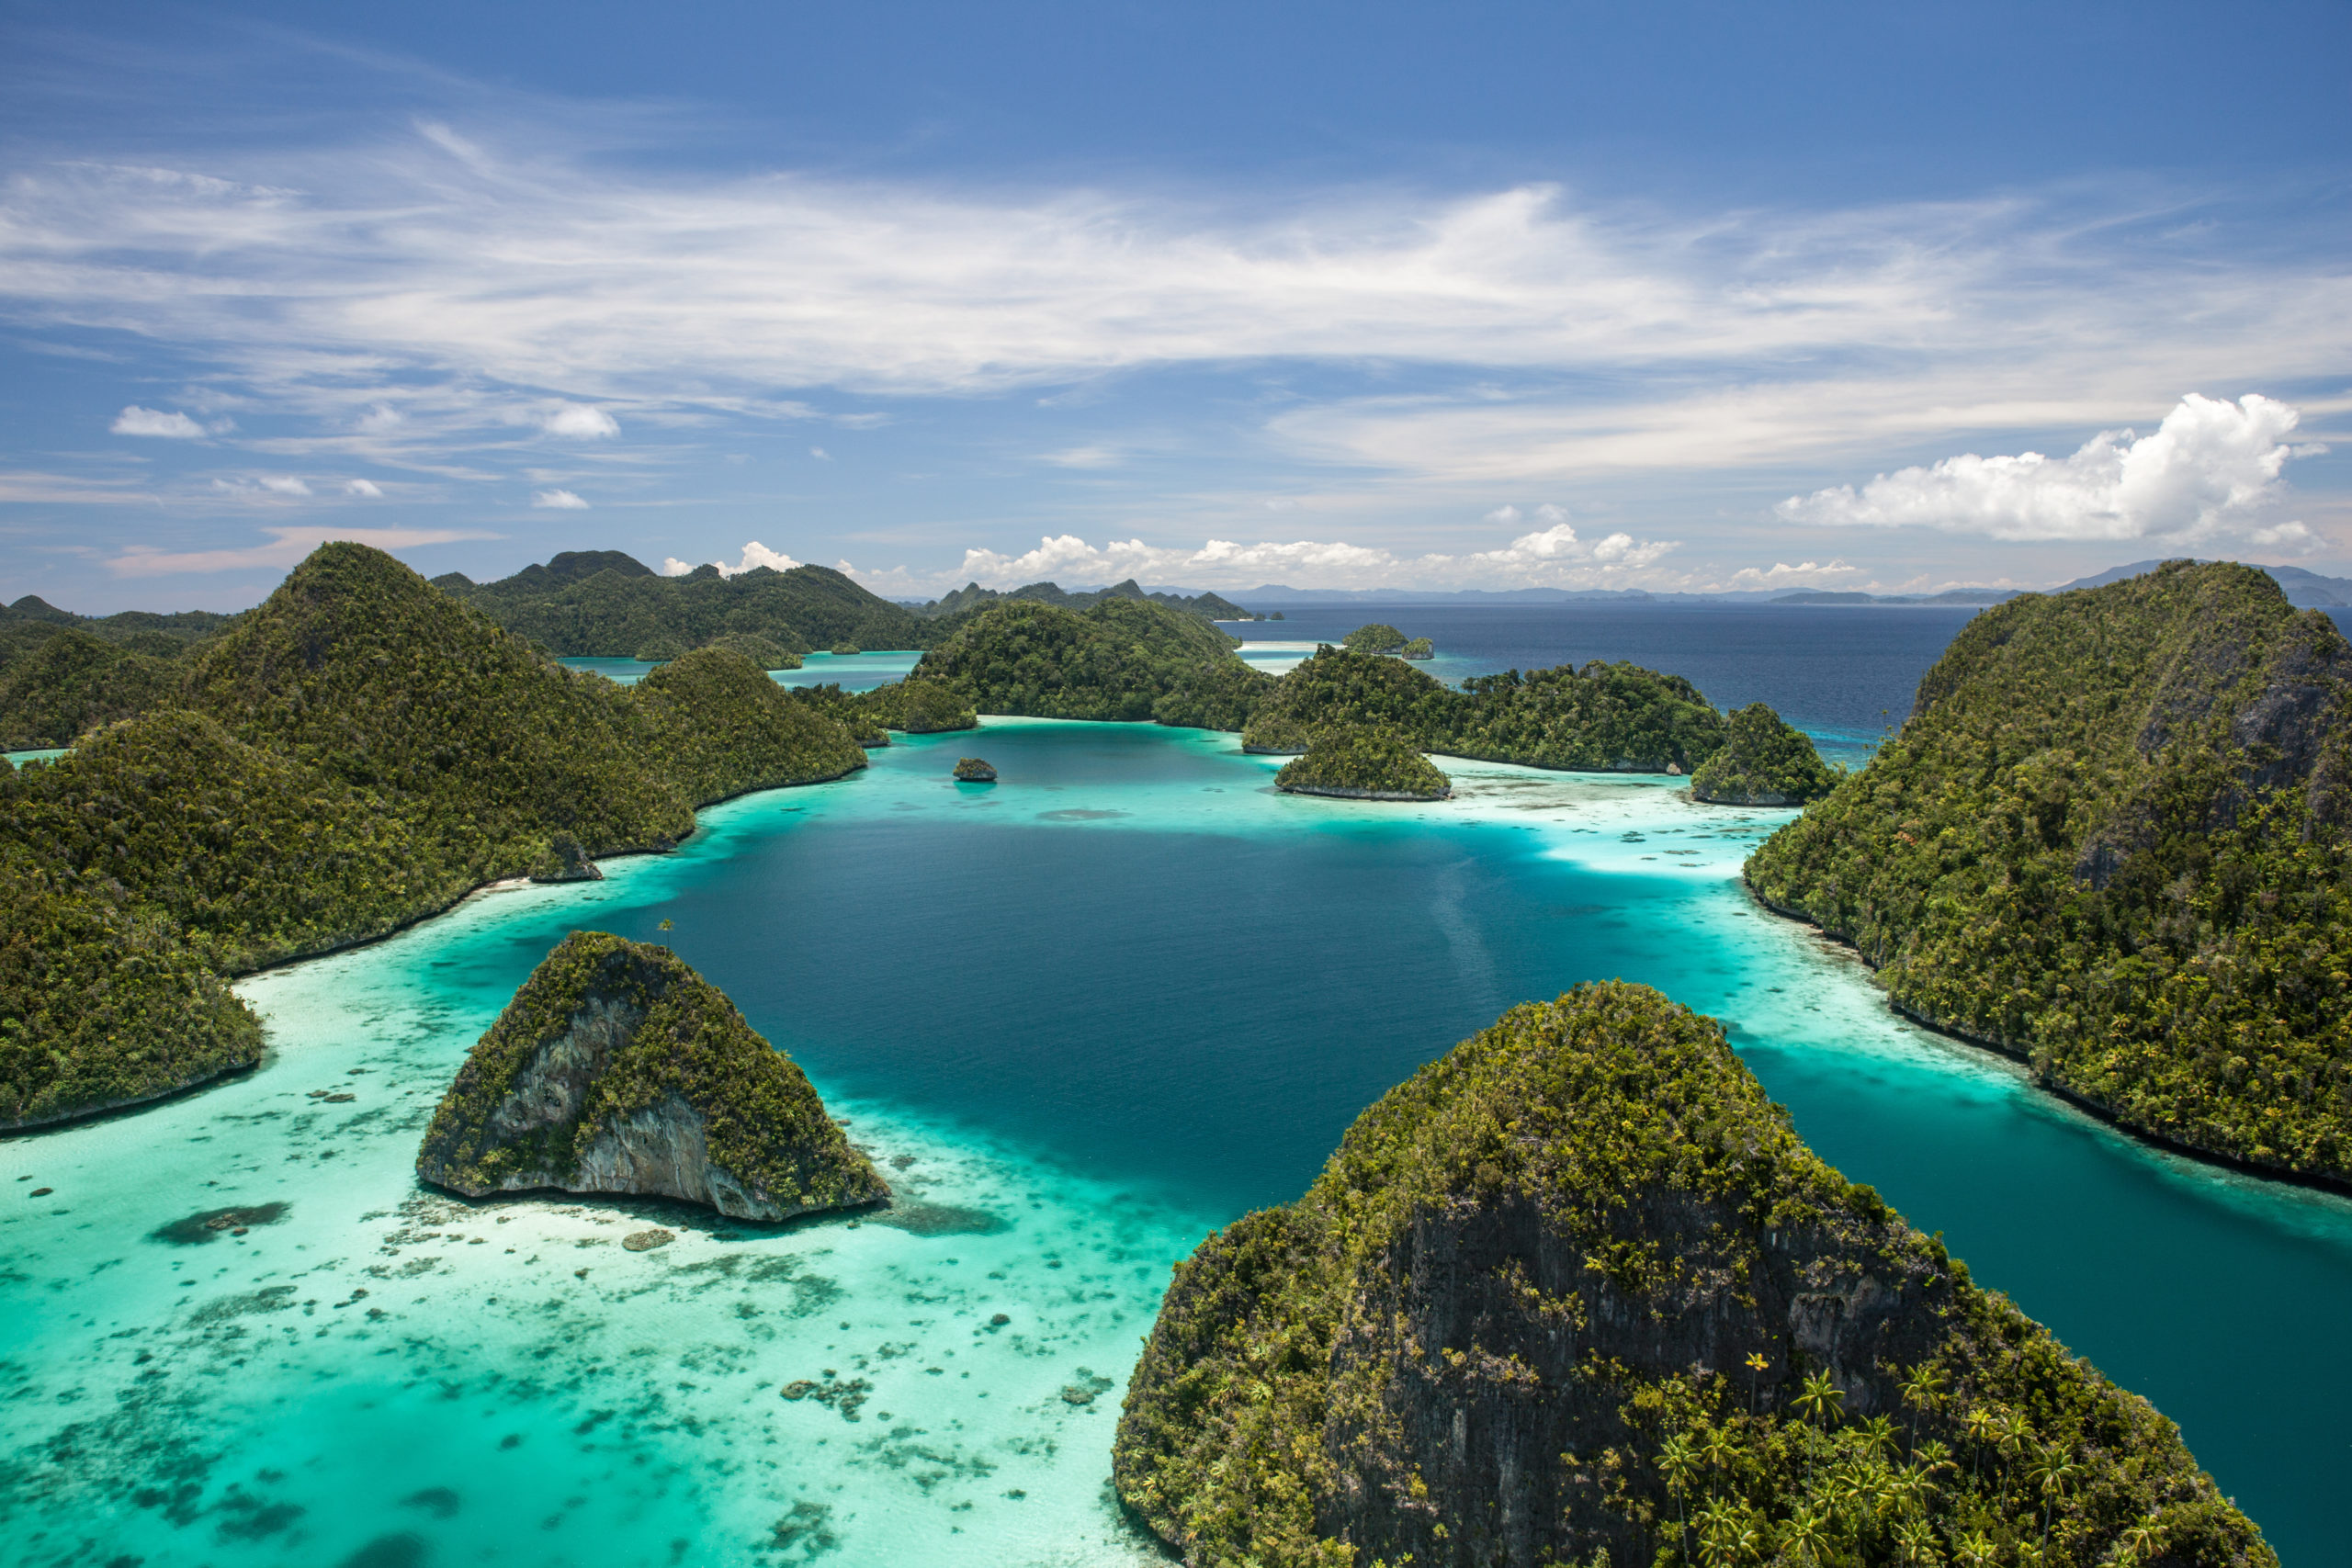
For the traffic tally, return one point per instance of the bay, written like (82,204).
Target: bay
(1080,1016)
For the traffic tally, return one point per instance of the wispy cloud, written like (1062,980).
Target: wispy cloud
(175,426)
(286,545)
(557,501)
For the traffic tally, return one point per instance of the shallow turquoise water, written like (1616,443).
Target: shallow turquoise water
(18,759)
(851,672)
(1081,1016)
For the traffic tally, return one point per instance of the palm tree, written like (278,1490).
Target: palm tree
(2051,1474)
(2010,1434)
(1719,1448)
(1973,1550)
(1820,1400)
(1923,1390)
(1880,1432)
(1808,1532)
(1915,1542)
(1724,1533)
(2139,1542)
(1680,1466)
(1980,1424)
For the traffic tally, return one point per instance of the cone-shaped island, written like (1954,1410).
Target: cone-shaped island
(617,1068)
(1576,1292)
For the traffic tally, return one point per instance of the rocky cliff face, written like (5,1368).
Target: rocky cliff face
(618,1070)
(1579,1247)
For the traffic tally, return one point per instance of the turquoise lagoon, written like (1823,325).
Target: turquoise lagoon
(851,672)
(1080,1018)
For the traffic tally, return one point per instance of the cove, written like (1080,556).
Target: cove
(1080,1016)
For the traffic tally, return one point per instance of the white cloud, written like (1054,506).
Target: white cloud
(557,501)
(137,420)
(368,488)
(578,420)
(1552,557)
(1780,574)
(1083,457)
(287,547)
(2211,469)
(821,454)
(755,553)
(259,485)
(672,566)
(380,419)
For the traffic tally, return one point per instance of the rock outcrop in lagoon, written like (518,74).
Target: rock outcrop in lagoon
(975,770)
(618,1070)
(1576,1292)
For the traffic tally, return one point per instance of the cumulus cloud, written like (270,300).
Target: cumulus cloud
(2212,468)
(368,488)
(1554,555)
(581,421)
(557,501)
(287,547)
(755,553)
(1782,574)
(137,420)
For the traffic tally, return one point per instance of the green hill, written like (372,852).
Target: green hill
(1363,763)
(2112,838)
(1112,661)
(1764,761)
(604,604)
(355,754)
(1575,1293)
(71,680)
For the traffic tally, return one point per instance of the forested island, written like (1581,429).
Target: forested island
(1363,763)
(2111,838)
(360,751)
(618,1069)
(1764,761)
(1576,1292)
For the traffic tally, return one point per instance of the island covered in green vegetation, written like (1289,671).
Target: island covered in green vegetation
(617,1068)
(2114,838)
(360,751)
(1575,1293)
(1363,763)
(609,605)
(1764,761)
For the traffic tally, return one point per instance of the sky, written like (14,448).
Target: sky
(1672,297)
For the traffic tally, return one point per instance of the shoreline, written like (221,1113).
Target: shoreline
(2311,1180)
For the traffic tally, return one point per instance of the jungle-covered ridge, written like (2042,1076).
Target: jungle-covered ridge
(1134,661)
(605,604)
(972,596)
(1764,761)
(62,673)
(356,753)
(2111,838)
(1576,1288)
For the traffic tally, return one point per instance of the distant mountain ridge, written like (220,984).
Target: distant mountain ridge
(2304,590)
(972,596)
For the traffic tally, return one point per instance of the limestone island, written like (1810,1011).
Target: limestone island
(617,1068)
(1419,647)
(844,649)
(1764,761)
(1576,1293)
(975,770)
(1363,763)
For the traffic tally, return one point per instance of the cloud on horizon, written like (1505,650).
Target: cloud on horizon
(2210,469)
(287,547)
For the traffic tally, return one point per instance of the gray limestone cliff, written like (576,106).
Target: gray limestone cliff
(617,1068)
(1578,1286)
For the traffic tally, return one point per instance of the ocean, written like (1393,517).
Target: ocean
(1080,1018)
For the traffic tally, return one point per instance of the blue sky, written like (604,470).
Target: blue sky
(1697,297)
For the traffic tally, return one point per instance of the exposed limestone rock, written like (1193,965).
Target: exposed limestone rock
(617,1068)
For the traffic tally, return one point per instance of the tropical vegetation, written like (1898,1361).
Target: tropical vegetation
(1576,1292)
(607,604)
(678,1037)
(2111,838)
(1112,661)
(358,752)
(1363,763)
(1764,761)
(1376,638)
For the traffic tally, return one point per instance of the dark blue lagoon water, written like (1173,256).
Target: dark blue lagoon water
(1080,1016)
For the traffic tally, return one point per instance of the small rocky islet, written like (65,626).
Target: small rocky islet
(618,1070)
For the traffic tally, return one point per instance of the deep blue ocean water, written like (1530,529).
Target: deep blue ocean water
(1080,1016)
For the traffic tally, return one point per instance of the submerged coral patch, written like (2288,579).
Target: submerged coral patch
(212,1224)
